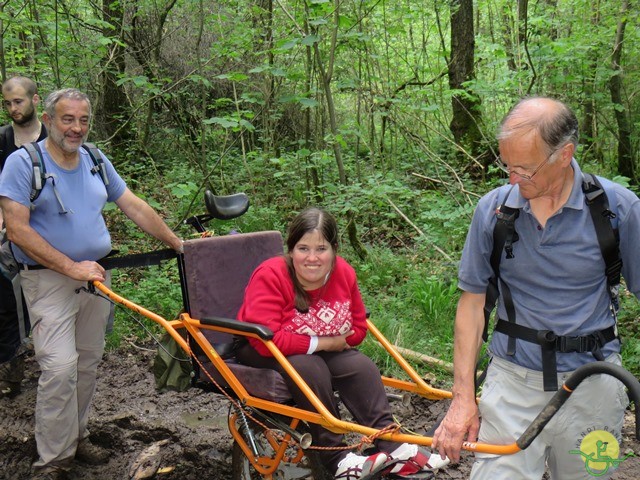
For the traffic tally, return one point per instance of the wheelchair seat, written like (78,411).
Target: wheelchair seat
(217,270)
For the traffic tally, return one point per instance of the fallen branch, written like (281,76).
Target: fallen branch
(435,180)
(438,249)
(425,358)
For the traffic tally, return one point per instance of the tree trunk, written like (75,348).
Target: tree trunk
(325,79)
(113,106)
(589,128)
(625,153)
(465,106)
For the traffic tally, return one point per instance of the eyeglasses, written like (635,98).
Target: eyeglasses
(505,168)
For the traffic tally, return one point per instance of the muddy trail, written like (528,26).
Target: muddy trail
(129,415)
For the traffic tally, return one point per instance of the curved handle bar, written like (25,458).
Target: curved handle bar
(567,389)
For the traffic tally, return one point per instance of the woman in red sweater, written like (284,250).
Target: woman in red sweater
(310,300)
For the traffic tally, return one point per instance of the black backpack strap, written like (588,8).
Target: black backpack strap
(98,162)
(7,140)
(39,177)
(550,343)
(601,214)
(504,235)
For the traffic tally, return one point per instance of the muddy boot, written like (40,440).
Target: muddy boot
(91,454)
(11,375)
(49,473)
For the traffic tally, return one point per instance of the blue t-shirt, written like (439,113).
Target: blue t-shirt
(556,277)
(81,233)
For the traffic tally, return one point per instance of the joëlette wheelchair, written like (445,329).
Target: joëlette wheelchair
(269,434)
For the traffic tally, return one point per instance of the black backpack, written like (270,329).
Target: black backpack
(504,235)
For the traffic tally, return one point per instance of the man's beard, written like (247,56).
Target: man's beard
(25,118)
(60,140)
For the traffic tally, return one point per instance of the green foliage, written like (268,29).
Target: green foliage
(155,288)
(412,307)
(629,330)
(215,95)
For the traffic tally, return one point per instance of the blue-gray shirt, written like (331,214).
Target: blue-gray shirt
(556,277)
(81,234)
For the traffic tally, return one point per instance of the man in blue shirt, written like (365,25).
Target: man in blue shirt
(557,282)
(58,239)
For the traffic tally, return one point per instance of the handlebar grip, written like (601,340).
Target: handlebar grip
(569,387)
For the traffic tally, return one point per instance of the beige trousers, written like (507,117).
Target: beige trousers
(512,397)
(68,328)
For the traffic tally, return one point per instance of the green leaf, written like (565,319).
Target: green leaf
(223,122)
(318,22)
(308,102)
(289,44)
(310,40)
(248,125)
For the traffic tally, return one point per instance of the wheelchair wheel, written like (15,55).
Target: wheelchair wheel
(297,465)
(241,468)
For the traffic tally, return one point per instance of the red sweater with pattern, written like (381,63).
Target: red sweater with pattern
(335,308)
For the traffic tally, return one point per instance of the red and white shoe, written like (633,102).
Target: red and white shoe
(414,461)
(354,467)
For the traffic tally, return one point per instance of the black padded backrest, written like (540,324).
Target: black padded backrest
(217,270)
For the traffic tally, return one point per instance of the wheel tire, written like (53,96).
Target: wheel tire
(242,470)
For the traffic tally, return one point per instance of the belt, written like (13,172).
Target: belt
(24,266)
(550,343)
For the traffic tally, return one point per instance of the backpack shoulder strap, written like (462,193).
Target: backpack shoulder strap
(39,176)
(98,162)
(504,234)
(6,140)
(602,215)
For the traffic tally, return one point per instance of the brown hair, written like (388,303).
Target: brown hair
(305,222)
(29,86)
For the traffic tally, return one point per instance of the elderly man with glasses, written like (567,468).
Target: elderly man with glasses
(555,274)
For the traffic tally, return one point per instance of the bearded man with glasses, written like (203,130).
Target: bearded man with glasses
(557,281)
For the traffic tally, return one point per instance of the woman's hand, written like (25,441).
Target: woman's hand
(334,344)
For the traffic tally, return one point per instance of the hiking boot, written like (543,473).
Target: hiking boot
(91,454)
(11,375)
(49,473)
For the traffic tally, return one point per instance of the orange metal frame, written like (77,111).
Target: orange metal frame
(323,417)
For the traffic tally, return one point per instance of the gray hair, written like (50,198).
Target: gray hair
(556,126)
(66,93)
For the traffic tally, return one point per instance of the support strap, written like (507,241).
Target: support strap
(602,215)
(504,235)
(138,259)
(550,344)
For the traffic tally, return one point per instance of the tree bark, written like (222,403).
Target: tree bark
(589,123)
(465,105)
(113,105)
(625,148)
(325,79)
